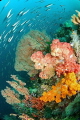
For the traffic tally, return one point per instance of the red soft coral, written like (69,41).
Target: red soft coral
(67,67)
(37,103)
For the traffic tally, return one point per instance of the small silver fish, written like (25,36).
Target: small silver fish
(7,24)
(0,37)
(30,24)
(3,32)
(25,12)
(16,23)
(27,21)
(9,13)
(14,28)
(20,13)
(10,16)
(23,23)
(21,30)
(5,35)
(5,5)
(48,5)
(48,9)
(10,39)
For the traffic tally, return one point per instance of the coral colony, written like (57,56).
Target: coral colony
(54,70)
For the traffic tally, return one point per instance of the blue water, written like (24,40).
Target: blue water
(39,17)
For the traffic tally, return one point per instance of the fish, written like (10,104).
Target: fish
(21,30)
(20,13)
(48,5)
(7,24)
(10,39)
(13,31)
(27,21)
(16,23)
(10,16)
(3,32)
(9,13)
(5,5)
(61,5)
(4,19)
(41,1)
(14,28)
(23,23)
(25,12)
(30,24)
(5,35)
(9,31)
(0,37)
(8,21)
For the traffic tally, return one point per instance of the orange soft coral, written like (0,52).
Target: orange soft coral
(68,86)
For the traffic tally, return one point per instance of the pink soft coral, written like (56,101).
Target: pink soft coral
(44,63)
(62,50)
(48,72)
(37,56)
(62,59)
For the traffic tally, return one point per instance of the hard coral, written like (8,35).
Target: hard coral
(76,18)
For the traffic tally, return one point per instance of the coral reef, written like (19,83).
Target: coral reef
(54,70)
(61,60)
(29,43)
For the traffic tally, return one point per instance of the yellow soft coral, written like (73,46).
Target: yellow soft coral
(68,86)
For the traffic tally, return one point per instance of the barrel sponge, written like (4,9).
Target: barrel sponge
(29,43)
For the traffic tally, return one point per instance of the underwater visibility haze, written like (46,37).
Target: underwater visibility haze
(39,59)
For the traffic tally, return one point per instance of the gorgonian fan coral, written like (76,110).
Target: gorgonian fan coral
(29,43)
